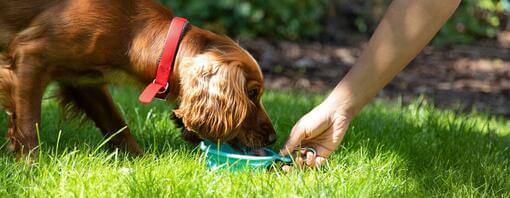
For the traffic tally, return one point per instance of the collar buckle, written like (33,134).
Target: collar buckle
(156,89)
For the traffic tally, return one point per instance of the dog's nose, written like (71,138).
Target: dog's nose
(272,138)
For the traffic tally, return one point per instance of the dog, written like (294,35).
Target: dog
(80,44)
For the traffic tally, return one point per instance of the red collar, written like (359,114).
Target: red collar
(159,86)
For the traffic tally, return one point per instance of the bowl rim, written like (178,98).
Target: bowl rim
(209,149)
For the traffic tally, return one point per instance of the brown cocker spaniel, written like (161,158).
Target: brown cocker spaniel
(79,44)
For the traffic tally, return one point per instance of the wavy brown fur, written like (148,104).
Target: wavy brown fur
(76,43)
(7,80)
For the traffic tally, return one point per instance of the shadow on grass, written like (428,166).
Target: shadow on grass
(439,149)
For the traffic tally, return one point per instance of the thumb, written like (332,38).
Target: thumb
(297,134)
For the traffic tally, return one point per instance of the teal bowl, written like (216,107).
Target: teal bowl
(224,156)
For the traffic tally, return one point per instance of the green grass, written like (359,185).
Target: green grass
(390,150)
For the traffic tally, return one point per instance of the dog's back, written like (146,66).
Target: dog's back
(16,15)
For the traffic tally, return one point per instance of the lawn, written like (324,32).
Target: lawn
(390,150)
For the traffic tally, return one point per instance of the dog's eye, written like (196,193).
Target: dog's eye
(253,93)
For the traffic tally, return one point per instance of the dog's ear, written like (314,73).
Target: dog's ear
(213,102)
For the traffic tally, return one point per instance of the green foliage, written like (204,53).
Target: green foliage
(288,19)
(474,19)
(302,19)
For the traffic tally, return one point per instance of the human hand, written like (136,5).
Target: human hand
(317,134)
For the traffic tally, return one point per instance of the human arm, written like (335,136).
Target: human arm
(404,31)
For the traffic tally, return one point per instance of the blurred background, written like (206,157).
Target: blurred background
(309,45)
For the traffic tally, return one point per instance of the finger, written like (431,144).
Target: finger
(320,151)
(309,126)
(319,161)
(286,168)
(295,138)
(310,159)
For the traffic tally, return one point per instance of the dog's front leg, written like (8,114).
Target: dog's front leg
(31,81)
(98,105)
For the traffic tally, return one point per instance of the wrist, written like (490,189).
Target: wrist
(341,104)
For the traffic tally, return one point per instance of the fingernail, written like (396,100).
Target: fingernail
(310,158)
(319,161)
(286,168)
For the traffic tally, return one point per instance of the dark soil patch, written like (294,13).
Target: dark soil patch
(463,77)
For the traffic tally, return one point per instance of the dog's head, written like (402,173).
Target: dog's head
(221,89)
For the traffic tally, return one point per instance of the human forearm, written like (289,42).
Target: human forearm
(403,32)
